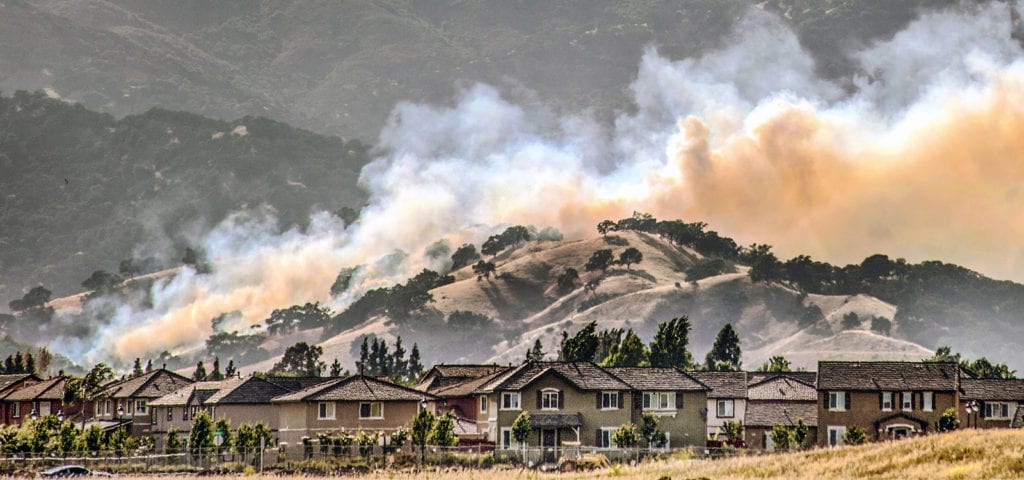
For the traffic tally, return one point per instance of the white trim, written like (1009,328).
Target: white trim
(611,431)
(501,438)
(371,417)
(483,403)
(903,401)
(545,396)
(518,401)
(837,400)
(889,408)
(840,431)
(325,410)
(927,401)
(612,394)
(731,408)
(648,401)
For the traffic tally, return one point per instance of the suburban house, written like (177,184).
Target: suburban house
(779,400)
(353,403)
(569,404)
(888,400)
(455,387)
(997,402)
(727,400)
(9,412)
(39,400)
(126,402)
(673,397)
(177,409)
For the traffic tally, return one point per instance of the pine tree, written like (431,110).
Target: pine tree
(30,363)
(230,371)
(9,364)
(364,357)
(374,367)
(669,346)
(725,354)
(137,367)
(415,367)
(401,365)
(631,352)
(535,354)
(200,374)
(149,365)
(215,374)
(336,368)
(19,363)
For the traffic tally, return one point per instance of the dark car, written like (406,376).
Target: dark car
(71,471)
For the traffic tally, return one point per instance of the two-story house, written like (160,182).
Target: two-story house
(455,387)
(673,397)
(888,400)
(779,400)
(573,404)
(353,403)
(10,412)
(995,402)
(727,400)
(126,402)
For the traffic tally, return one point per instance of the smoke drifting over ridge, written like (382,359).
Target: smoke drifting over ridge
(925,160)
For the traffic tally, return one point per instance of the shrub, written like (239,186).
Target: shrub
(948,421)
(854,435)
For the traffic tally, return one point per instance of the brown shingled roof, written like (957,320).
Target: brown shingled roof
(992,389)
(782,388)
(355,388)
(466,387)
(654,378)
(7,381)
(153,384)
(52,389)
(769,414)
(584,375)
(876,376)
(203,390)
(723,384)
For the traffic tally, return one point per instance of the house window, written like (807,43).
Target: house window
(16,410)
(659,400)
(725,408)
(997,410)
(140,407)
(604,437)
(483,404)
(835,435)
(371,410)
(506,438)
(325,411)
(609,400)
(106,407)
(549,400)
(184,413)
(170,413)
(131,408)
(97,408)
(837,401)
(510,401)
(908,401)
(886,401)
(928,401)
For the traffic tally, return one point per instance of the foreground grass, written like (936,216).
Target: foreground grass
(968,454)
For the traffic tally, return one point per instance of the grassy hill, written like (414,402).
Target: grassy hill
(83,191)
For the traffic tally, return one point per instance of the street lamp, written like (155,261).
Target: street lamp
(120,413)
(33,414)
(423,437)
(972,408)
(60,415)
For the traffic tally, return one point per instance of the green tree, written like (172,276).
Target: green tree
(800,431)
(484,269)
(851,321)
(137,368)
(196,258)
(422,425)
(567,281)
(881,325)
(600,260)
(118,440)
(200,438)
(223,428)
(335,369)
(67,438)
(535,354)
(626,436)
(199,374)
(464,256)
(764,266)
(443,433)
(521,429)
(580,347)
(36,297)
(515,236)
(983,368)
(102,282)
(93,439)
(245,439)
(781,436)
(129,268)
(492,246)
(415,365)
(948,421)
(215,374)
(301,360)
(230,370)
(734,431)
(631,352)
(669,346)
(650,432)
(606,226)
(704,268)
(725,354)
(298,317)
(854,435)
(777,363)
(630,256)
(366,440)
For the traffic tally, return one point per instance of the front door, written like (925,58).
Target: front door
(548,442)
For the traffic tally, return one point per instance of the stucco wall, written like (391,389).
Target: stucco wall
(714,422)
(297,420)
(865,409)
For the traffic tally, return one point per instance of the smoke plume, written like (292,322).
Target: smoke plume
(924,160)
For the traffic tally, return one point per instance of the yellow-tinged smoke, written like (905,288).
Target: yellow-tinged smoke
(924,161)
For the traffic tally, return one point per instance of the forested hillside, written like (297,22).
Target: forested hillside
(82,191)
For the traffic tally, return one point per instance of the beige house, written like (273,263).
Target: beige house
(570,404)
(126,402)
(727,400)
(353,403)
(456,386)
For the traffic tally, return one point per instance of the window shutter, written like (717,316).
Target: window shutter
(881,400)
(846,398)
(824,402)
(679,400)
(638,401)
(981,409)
(597,438)
(539,399)
(622,400)
(561,399)
(598,400)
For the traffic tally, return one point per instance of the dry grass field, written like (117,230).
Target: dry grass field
(968,454)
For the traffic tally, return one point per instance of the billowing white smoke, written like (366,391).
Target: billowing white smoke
(925,160)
